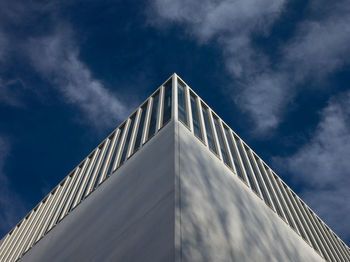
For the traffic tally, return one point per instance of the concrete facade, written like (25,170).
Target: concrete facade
(222,219)
(172,183)
(174,201)
(130,217)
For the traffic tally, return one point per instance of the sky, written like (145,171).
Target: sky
(276,71)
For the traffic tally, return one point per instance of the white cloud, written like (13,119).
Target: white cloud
(55,55)
(11,205)
(265,101)
(318,48)
(324,167)
(217,18)
(56,58)
(231,25)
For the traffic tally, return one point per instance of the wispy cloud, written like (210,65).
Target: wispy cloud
(56,58)
(11,205)
(318,48)
(231,24)
(55,55)
(323,165)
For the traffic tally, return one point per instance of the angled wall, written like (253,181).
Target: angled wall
(130,217)
(221,219)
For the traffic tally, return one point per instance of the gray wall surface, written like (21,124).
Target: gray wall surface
(130,217)
(174,200)
(221,219)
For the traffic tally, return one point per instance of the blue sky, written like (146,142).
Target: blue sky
(277,71)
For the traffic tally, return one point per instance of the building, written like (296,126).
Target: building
(172,183)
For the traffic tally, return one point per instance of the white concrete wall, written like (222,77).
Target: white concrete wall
(174,200)
(221,219)
(130,217)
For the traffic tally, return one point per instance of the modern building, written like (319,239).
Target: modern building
(172,183)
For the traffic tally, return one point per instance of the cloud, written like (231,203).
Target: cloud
(264,88)
(54,54)
(231,24)
(320,46)
(12,206)
(323,165)
(264,98)
(56,58)
(217,18)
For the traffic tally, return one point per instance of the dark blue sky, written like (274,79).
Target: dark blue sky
(276,71)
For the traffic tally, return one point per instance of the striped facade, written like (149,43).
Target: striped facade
(173,101)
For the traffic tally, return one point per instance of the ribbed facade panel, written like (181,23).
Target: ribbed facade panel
(175,101)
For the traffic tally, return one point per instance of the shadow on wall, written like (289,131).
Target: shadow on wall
(223,220)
